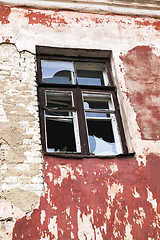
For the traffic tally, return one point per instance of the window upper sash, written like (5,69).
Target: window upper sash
(74,72)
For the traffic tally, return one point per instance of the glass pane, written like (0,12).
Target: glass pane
(60,135)
(97,115)
(58,99)
(88,77)
(101,139)
(91,73)
(57,72)
(96,102)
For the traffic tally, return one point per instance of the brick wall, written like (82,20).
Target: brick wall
(21,159)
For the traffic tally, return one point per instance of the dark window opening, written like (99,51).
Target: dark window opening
(101,137)
(60,136)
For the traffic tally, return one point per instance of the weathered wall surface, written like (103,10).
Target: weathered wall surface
(96,199)
(83,199)
(20,148)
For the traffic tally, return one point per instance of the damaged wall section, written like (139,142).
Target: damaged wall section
(21,161)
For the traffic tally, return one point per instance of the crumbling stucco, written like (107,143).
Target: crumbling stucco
(21,160)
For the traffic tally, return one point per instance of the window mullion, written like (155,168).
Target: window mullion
(75,73)
(82,122)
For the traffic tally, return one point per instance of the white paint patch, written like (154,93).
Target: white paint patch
(87,229)
(50,175)
(128,235)
(113,190)
(98,234)
(43,216)
(116,219)
(135,193)
(46,237)
(79,170)
(72,235)
(151,200)
(108,213)
(141,158)
(7,210)
(104,228)
(53,228)
(85,226)
(113,168)
(68,211)
(66,171)
(116,224)
(140,216)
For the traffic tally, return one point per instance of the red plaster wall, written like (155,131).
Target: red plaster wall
(89,191)
(142,75)
(4,14)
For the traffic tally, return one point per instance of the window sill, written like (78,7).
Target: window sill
(81,156)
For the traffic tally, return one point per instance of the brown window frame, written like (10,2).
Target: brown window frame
(77,89)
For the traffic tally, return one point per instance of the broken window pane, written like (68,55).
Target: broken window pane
(58,101)
(71,113)
(57,72)
(96,105)
(101,139)
(60,135)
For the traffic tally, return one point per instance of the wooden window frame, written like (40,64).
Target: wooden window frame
(111,89)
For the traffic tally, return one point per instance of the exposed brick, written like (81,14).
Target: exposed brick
(21,146)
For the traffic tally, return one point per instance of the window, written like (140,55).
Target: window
(78,107)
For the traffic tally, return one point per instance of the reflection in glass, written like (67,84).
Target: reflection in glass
(96,100)
(57,72)
(88,77)
(97,115)
(96,104)
(101,139)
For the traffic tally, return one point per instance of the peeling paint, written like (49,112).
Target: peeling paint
(4,14)
(143,87)
(113,190)
(66,171)
(37,17)
(43,215)
(151,200)
(135,193)
(123,207)
(9,214)
(52,227)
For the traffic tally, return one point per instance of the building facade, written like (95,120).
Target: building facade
(47,191)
